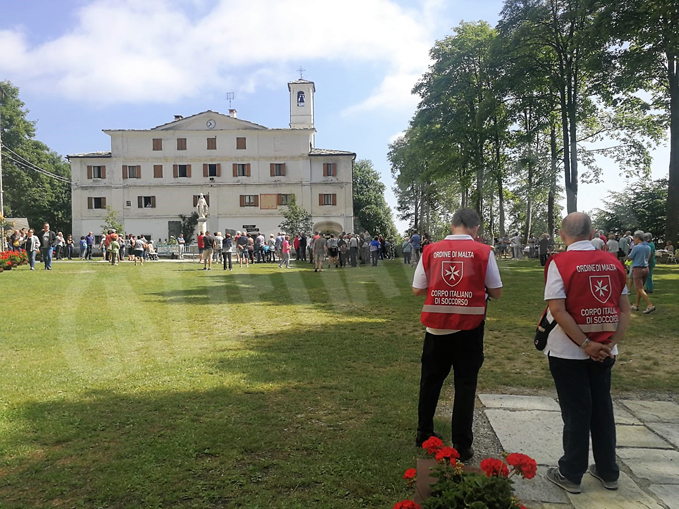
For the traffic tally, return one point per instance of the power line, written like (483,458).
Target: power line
(26,166)
(34,166)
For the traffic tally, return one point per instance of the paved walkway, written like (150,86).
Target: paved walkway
(648,452)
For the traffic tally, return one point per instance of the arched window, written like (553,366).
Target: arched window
(300,98)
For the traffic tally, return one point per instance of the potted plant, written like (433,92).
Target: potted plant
(456,486)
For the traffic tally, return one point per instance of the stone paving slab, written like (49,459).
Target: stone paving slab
(538,489)
(668,493)
(628,496)
(656,465)
(669,432)
(507,401)
(536,433)
(623,416)
(639,436)
(654,411)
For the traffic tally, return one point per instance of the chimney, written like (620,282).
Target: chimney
(232,113)
(178,117)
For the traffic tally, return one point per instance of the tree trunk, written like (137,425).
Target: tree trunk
(529,202)
(571,201)
(552,181)
(501,204)
(672,224)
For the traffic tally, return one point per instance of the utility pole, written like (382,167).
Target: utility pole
(2,201)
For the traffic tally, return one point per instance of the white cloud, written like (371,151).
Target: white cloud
(396,136)
(131,51)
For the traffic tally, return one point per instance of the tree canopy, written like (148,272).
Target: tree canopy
(370,206)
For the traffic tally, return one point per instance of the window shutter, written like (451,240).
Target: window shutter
(103,172)
(219,169)
(157,144)
(195,200)
(242,200)
(272,170)
(256,200)
(153,202)
(325,169)
(320,199)
(175,170)
(205,170)
(103,203)
(334,169)
(139,171)
(188,170)
(235,172)
(124,171)
(247,169)
(279,199)
(334,199)
(140,202)
(158,171)
(90,203)
(89,172)
(283,172)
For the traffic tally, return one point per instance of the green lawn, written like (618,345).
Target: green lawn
(166,386)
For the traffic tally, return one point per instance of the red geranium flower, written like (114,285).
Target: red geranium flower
(447,453)
(410,474)
(493,466)
(406,504)
(432,445)
(524,465)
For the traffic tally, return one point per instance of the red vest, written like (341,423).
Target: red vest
(456,284)
(593,281)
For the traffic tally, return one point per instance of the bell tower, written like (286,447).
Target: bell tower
(301,103)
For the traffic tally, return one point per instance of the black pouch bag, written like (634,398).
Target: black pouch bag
(542,331)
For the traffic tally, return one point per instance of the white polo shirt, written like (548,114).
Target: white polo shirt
(558,342)
(493,279)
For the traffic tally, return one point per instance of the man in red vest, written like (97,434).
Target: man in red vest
(586,293)
(456,275)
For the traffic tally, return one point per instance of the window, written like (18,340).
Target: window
(240,144)
(285,199)
(128,203)
(96,172)
(212,170)
(181,143)
(157,171)
(327,199)
(181,171)
(157,144)
(197,196)
(300,98)
(277,169)
(132,172)
(241,170)
(329,169)
(146,202)
(96,203)
(212,143)
(249,200)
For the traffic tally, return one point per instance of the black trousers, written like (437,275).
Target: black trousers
(463,352)
(584,390)
(543,259)
(227,260)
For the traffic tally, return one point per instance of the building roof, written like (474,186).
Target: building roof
(17,222)
(184,119)
(302,82)
(328,152)
(89,154)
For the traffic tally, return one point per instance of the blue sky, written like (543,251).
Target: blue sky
(87,65)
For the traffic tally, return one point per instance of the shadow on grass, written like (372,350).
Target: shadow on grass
(318,417)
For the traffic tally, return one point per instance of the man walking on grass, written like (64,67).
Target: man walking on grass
(456,275)
(587,296)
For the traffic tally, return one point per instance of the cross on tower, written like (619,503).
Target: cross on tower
(301,71)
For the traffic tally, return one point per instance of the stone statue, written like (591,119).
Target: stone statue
(202,207)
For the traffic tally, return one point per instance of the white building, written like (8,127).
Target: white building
(247,172)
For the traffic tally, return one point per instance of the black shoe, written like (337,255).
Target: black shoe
(420,439)
(465,454)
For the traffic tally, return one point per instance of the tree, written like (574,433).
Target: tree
(369,204)
(645,39)
(111,221)
(41,196)
(296,219)
(188,227)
